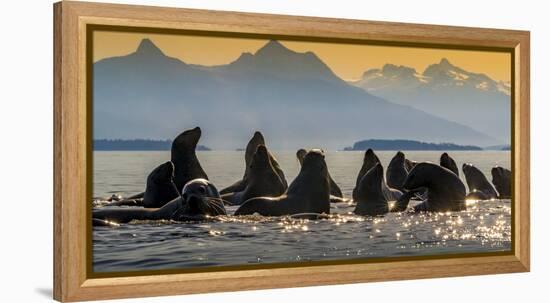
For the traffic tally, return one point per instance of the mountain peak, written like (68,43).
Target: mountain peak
(274,58)
(443,70)
(444,61)
(273,47)
(146,46)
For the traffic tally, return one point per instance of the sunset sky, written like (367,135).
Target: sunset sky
(348,61)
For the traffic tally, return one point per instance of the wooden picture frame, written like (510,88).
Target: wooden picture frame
(73,280)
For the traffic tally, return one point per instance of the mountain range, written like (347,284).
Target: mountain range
(293,98)
(447,91)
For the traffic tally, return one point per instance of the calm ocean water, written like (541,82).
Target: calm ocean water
(484,227)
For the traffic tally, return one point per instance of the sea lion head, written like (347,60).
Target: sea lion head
(160,187)
(256,140)
(261,159)
(474,177)
(502,181)
(400,156)
(300,154)
(370,159)
(498,173)
(446,161)
(370,196)
(200,200)
(314,161)
(187,140)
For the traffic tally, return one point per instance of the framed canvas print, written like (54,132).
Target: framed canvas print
(200,151)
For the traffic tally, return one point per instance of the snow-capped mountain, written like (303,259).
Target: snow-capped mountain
(448,91)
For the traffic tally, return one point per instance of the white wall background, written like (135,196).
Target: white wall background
(26,150)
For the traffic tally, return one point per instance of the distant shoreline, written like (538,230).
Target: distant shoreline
(408,145)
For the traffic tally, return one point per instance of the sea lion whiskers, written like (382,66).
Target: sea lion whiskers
(216,204)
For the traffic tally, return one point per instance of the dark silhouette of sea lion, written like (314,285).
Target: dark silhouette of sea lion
(334,188)
(369,161)
(449,163)
(480,188)
(200,200)
(184,157)
(256,140)
(262,180)
(371,199)
(160,188)
(502,180)
(396,173)
(445,191)
(308,193)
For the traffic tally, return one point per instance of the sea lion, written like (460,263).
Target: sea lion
(449,163)
(160,188)
(200,199)
(502,180)
(335,190)
(396,173)
(262,180)
(480,188)
(371,200)
(308,193)
(445,190)
(256,140)
(369,161)
(184,157)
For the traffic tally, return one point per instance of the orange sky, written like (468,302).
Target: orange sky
(348,61)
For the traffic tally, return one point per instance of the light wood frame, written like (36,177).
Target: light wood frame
(72,281)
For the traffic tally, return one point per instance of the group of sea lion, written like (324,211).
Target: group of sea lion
(179,189)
